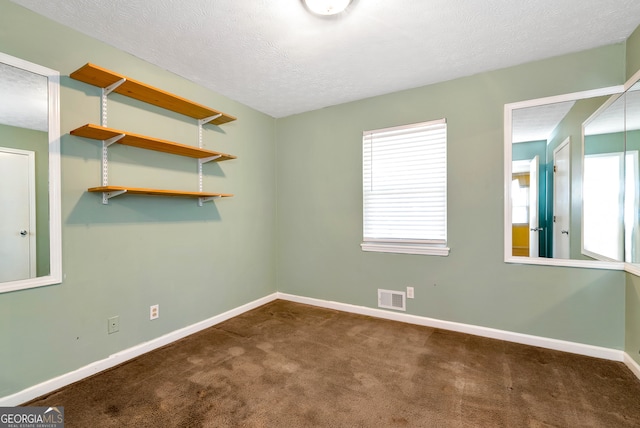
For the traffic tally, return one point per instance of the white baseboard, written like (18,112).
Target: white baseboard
(509,336)
(127,354)
(632,364)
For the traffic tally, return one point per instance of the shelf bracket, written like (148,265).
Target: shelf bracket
(113,140)
(108,195)
(106,91)
(112,87)
(204,199)
(209,159)
(105,160)
(208,119)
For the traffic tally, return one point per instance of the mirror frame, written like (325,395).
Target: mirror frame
(508,154)
(55,226)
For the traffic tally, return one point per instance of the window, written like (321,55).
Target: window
(405,189)
(604,183)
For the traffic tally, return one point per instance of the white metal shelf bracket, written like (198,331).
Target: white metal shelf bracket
(208,119)
(106,91)
(108,195)
(209,159)
(113,140)
(105,164)
(201,122)
(204,199)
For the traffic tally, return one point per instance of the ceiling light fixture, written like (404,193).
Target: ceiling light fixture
(327,7)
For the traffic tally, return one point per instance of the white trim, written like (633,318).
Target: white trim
(127,354)
(509,336)
(632,268)
(632,365)
(442,121)
(573,96)
(632,80)
(423,249)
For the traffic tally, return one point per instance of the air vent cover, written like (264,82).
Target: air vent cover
(390,299)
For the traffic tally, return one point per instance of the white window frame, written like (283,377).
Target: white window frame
(427,240)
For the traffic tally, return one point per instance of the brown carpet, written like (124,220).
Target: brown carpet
(291,365)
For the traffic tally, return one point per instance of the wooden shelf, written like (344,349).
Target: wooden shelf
(103,78)
(157,192)
(97,132)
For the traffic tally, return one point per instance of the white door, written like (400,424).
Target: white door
(17,215)
(561,200)
(534,222)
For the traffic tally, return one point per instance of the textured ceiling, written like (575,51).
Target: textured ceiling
(24,99)
(276,57)
(537,123)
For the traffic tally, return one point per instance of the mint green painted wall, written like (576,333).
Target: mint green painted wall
(37,142)
(632,317)
(195,262)
(320,209)
(633,53)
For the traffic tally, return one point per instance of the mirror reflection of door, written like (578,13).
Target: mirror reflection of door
(525,202)
(534,222)
(561,200)
(18,224)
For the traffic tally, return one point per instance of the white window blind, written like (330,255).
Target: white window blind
(405,188)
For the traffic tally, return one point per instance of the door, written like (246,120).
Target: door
(534,221)
(17,215)
(561,200)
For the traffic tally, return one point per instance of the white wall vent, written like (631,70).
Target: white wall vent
(390,299)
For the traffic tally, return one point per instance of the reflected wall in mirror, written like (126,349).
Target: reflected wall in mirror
(543,179)
(30,236)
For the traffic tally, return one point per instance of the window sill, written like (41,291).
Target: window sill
(429,250)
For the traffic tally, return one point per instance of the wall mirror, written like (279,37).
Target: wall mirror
(30,224)
(632,177)
(544,163)
(605,181)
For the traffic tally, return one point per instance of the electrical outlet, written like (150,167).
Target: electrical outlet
(409,292)
(113,324)
(154,312)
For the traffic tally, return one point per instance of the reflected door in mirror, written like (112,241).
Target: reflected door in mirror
(17,224)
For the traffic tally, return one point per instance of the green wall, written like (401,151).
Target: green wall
(320,209)
(633,54)
(118,259)
(37,142)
